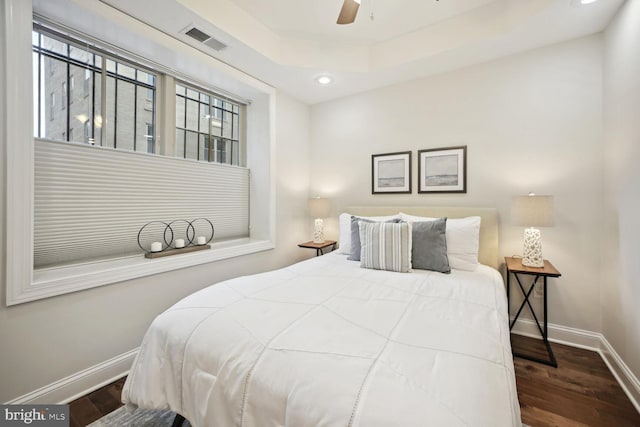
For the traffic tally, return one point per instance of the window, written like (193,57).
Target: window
(121,199)
(97,168)
(125,113)
(119,110)
(207,126)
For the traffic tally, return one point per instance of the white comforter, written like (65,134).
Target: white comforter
(326,343)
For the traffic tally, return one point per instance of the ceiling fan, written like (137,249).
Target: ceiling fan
(348,12)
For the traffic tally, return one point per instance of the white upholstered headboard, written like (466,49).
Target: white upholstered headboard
(488,254)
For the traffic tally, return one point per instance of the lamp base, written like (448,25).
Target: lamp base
(532,256)
(318,233)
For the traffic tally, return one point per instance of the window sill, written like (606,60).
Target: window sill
(61,280)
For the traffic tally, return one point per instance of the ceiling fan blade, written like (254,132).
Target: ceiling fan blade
(348,12)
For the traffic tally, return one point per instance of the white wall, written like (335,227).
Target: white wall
(47,340)
(532,122)
(621,250)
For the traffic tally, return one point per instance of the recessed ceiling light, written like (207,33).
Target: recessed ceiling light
(581,3)
(324,80)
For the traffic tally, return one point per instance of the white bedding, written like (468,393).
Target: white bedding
(327,343)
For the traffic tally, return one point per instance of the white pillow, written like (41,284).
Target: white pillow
(463,240)
(345,229)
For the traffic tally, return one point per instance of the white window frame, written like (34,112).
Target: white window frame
(23,284)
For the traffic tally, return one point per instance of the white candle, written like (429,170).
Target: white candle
(156,247)
(201,240)
(179,243)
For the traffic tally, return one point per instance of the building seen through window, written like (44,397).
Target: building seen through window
(207,126)
(112,107)
(114,104)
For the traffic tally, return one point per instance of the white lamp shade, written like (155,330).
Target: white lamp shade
(319,207)
(532,211)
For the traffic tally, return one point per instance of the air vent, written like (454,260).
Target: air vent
(198,35)
(205,38)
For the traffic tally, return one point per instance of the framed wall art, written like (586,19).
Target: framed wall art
(442,170)
(391,173)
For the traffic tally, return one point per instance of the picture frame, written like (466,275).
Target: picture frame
(391,173)
(442,170)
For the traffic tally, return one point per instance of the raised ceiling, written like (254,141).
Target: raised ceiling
(316,20)
(288,43)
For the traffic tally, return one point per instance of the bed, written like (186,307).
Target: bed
(326,343)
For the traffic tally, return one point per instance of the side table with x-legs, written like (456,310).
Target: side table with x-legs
(515,268)
(319,247)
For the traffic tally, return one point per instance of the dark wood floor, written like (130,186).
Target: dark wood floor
(97,404)
(580,392)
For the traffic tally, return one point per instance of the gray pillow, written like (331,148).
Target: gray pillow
(429,250)
(354,254)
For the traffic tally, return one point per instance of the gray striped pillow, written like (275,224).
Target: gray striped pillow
(385,246)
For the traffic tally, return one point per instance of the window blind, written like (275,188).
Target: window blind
(90,202)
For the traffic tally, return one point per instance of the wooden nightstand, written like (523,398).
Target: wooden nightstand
(515,267)
(319,247)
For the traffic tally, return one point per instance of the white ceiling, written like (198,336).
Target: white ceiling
(316,20)
(287,43)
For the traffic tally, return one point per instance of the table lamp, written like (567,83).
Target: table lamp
(318,208)
(532,211)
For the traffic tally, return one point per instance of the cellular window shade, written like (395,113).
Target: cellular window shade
(90,202)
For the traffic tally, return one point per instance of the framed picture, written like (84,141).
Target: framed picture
(442,170)
(391,173)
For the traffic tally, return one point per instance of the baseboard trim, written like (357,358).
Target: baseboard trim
(589,341)
(621,372)
(561,334)
(81,383)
